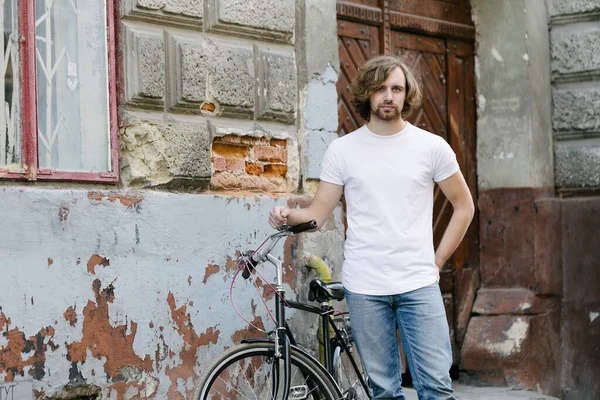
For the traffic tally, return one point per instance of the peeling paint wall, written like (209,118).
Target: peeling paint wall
(123,293)
(129,292)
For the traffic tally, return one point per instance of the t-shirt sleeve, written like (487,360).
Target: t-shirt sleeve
(444,161)
(330,168)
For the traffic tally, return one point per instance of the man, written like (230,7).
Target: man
(386,170)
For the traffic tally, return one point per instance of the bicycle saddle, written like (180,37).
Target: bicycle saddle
(321,291)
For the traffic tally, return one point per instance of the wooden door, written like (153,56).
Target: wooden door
(436,38)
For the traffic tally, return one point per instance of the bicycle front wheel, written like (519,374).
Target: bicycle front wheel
(246,372)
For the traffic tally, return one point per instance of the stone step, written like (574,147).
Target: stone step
(464,392)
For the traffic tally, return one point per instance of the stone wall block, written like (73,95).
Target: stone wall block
(256,19)
(506,237)
(165,153)
(512,301)
(277,87)
(181,13)
(566,7)
(575,49)
(212,77)
(144,63)
(189,60)
(577,163)
(580,219)
(517,351)
(231,80)
(547,246)
(576,110)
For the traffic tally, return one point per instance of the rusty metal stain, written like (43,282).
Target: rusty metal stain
(189,352)
(210,271)
(126,200)
(102,339)
(12,361)
(96,260)
(71,316)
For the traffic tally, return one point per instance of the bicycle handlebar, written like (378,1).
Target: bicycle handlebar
(261,254)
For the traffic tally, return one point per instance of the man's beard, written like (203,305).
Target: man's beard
(389,116)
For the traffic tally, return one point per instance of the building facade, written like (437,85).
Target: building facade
(147,140)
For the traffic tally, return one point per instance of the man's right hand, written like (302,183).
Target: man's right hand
(278,216)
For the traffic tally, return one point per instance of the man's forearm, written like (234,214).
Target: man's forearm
(299,215)
(459,223)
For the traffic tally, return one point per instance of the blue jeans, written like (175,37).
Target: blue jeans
(421,318)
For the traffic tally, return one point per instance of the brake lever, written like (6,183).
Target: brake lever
(283,227)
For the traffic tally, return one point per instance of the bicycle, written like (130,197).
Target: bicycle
(275,367)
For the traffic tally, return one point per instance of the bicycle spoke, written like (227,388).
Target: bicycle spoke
(229,386)
(248,382)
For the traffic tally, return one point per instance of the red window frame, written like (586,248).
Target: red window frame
(29,129)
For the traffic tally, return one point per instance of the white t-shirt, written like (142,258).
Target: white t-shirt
(388,185)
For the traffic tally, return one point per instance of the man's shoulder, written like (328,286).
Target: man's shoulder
(349,139)
(427,136)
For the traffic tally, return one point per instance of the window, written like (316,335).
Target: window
(58,108)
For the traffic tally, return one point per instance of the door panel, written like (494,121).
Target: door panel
(356,43)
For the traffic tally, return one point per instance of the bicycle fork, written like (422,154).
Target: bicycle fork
(282,342)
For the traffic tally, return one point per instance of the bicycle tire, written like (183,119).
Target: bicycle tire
(238,374)
(344,373)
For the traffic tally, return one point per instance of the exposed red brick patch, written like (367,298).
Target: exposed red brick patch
(219,163)
(276,170)
(279,143)
(229,151)
(12,354)
(268,153)
(210,271)
(230,139)
(235,165)
(126,200)
(208,107)
(188,353)
(254,169)
(229,181)
(78,261)
(102,339)
(289,269)
(50,261)
(71,316)
(96,260)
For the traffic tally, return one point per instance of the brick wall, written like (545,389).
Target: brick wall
(252,163)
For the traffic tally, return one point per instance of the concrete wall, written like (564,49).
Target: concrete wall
(519,298)
(123,292)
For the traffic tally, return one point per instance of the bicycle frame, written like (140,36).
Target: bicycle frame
(283,337)
(326,323)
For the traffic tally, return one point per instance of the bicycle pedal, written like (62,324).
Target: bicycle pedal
(298,392)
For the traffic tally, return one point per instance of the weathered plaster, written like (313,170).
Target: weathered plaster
(136,299)
(514,135)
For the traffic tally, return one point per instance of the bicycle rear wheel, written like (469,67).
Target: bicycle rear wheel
(246,372)
(348,376)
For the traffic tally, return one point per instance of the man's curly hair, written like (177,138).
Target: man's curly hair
(373,74)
